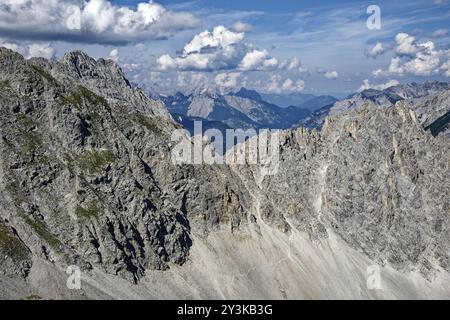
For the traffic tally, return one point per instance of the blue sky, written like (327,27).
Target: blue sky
(321,47)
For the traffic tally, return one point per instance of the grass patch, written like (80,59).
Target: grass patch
(81,95)
(30,142)
(10,245)
(4,84)
(32,297)
(95,116)
(68,162)
(42,231)
(13,188)
(95,120)
(86,213)
(25,121)
(93,161)
(44,74)
(6,88)
(147,123)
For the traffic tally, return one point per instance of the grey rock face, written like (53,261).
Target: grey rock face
(433,111)
(374,177)
(16,258)
(86,178)
(243,109)
(417,96)
(86,173)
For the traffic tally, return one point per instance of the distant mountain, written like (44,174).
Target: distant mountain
(209,106)
(300,100)
(433,111)
(188,123)
(411,93)
(249,109)
(242,109)
(250,94)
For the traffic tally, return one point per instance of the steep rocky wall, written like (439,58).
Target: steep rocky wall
(86,172)
(86,178)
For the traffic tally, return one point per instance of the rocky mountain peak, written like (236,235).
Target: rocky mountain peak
(251,94)
(8,54)
(87,179)
(205,91)
(10,61)
(413,94)
(79,65)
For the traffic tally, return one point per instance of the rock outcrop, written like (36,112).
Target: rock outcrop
(87,179)
(244,109)
(86,176)
(429,99)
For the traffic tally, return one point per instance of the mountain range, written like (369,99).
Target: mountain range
(241,109)
(430,100)
(299,100)
(88,182)
(248,109)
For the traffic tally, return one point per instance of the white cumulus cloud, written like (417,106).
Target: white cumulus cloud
(220,37)
(415,58)
(91,21)
(377,50)
(276,84)
(331,74)
(405,44)
(227,80)
(240,26)
(258,60)
(292,65)
(290,85)
(189,80)
(219,49)
(446,68)
(10,45)
(367,85)
(425,61)
(40,50)
(114,55)
(31,50)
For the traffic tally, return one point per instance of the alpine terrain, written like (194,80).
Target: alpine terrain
(87,181)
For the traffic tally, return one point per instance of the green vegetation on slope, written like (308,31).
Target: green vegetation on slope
(77,97)
(44,74)
(4,84)
(85,213)
(42,231)
(93,161)
(10,245)
(147,123)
